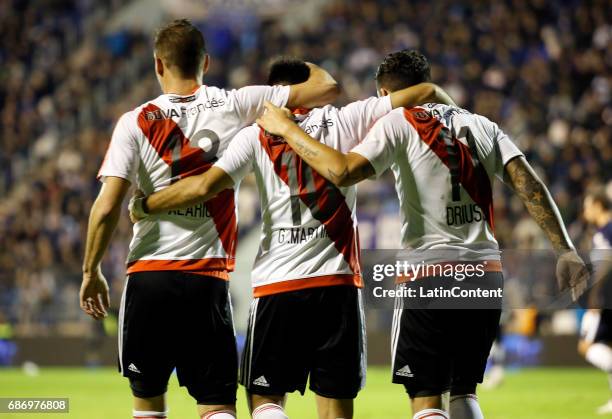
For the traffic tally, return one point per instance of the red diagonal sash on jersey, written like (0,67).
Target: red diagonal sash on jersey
(326,203)
(163,135)
(185,160)
(475,180)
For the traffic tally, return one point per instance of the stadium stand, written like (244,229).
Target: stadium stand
(543,73)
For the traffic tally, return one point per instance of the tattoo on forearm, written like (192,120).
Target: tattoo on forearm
(304,150)
(316,158)
(538,201)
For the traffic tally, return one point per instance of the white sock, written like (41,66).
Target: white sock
(269,411)
(465,406)
(219,414)
(149,414)
(600,355)
(431,414)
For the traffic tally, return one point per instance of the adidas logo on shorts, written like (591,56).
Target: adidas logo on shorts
(404,372)
(133,368)
(261,381)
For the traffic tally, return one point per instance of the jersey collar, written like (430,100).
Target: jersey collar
(299,114)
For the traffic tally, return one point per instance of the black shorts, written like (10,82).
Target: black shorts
(317,332)
(437,350)
(171,319)
(604,327)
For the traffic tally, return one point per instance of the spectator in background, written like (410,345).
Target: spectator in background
(596,331)
(543,72)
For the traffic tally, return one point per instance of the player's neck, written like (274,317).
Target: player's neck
(603,219)
(182,87)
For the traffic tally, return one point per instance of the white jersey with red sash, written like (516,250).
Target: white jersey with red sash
(309,233)
(444,160)
(170,138)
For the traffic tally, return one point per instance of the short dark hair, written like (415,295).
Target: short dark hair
(403,69)
(288,70)
(180,44)
(598,194)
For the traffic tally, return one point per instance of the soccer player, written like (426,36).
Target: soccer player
(596,331)
(444,160)
(175,311)
(306,317)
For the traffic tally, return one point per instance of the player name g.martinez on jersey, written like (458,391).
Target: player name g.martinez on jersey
(309,232)
(172,137)
(444,160)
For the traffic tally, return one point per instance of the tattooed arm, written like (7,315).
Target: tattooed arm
(339,168)
(571,270)
(538,201)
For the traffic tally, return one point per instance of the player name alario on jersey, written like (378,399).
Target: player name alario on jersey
(197,211)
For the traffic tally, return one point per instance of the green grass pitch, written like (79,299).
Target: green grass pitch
(525,394)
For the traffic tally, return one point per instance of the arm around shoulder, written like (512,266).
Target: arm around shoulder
(420,94)
(186,192)
(319,90)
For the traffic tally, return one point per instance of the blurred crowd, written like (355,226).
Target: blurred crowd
(542,71)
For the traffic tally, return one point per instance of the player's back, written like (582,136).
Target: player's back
(172,137)
(444,160)
(309,227)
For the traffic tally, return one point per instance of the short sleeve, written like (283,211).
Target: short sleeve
(381,143)
(122,156)
(358,117)
(506,150)
(237,160)
(250,100)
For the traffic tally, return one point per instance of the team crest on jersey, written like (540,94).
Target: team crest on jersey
(421,115)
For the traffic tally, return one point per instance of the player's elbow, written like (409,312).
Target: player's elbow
(435,94)
(344,184)
(322,85)
(521,177)
(429,92)
(331,91)
(339,175)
